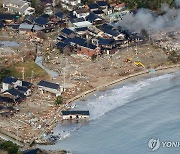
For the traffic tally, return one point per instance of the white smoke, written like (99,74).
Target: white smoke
(177,2)
(148,20)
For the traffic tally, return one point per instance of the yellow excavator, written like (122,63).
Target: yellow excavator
(138,63)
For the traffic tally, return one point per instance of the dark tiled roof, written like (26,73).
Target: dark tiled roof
(29,19)
(15,93)
(74,20)
(81,42)
(14,26)
(60,37)
(81,29)
(31,151)
(102,3)
(26,84)
(92,17)
(93,6)
(41,21)
(111,32)
(1,26)
(98,12)
(22,89)
(61,44)
(6,99)
(66,31)
(9,80)
(8,17)
(45,16)
(78,41)
(48,84)
(103,41)
(59,14)
(107,26)
(75,112)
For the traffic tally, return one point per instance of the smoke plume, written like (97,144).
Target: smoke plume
(148,20)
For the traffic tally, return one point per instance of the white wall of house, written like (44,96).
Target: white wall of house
(28,92)
(67,117)
(5,86)
(18,83)
(53,91)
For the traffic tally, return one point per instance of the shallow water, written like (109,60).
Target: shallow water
(9,44)
(125,118)
(39,61)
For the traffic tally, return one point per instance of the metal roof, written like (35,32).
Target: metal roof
(15,93)
(75,113)
(103,41)
(61,44)
(67,31)
(48,84)
(41,21)
(9,80)
(102,3)
(93,6)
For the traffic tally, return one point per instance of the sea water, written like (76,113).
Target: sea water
(123,119)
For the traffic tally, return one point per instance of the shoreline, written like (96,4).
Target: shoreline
(145,73)
(158,71)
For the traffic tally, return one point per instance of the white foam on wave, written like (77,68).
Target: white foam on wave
(115,98)
(109,100)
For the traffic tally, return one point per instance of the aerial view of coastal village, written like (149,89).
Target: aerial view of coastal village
(89,76)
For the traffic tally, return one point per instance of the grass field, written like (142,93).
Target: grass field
(29,67)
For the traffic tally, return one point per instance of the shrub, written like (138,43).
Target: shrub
(59,100)
(10,147)
(93,57)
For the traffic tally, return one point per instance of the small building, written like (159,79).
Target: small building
(103,4)
(94,19)
(81,13)
(108,46)
(53,88)
(60,16)
(76,115)
(18,6)
(10,82)
(24,90)
(99,13)
(13,93)
(70,4)
(33,151)
(24,28)
(29,19)
(67,33)
(82,31)
(119,7)
(64,48)
(93,7)
(8,18)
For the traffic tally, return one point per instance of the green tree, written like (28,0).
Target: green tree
(5,72)
(93,57)
(10,147)
(174,57)
(59,100)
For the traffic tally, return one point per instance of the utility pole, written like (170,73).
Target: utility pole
(32,73)
(23,73)
(65,72)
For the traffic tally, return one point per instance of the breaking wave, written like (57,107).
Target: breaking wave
(106,101)
(112,99)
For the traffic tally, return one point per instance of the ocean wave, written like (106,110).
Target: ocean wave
(107,101)
(112,99)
